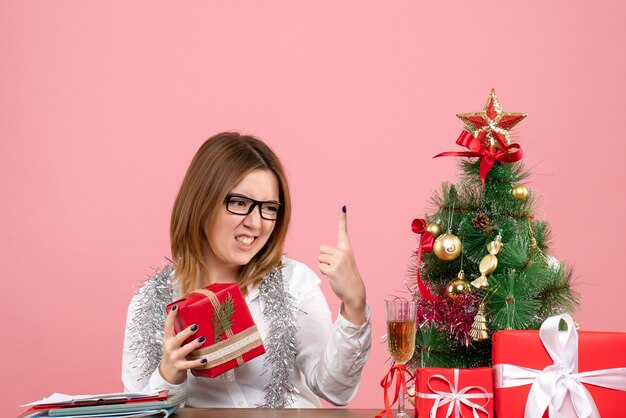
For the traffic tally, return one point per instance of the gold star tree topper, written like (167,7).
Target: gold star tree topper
(492,125)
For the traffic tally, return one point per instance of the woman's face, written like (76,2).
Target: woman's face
(235,239)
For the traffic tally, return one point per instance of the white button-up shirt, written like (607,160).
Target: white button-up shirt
(329,362)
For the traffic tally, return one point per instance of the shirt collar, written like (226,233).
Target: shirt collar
(252,292)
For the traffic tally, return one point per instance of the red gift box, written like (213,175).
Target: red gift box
(553,354)
(222,316)
(454,392)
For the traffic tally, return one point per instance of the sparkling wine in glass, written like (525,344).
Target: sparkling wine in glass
(401,329)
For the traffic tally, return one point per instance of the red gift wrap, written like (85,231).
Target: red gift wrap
(444,392)
(222,316)
(552,370)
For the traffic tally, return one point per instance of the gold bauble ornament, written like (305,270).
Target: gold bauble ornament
(447,247)
(458,286)
(435,228)
(520,192)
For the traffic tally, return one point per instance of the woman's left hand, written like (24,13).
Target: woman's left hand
(338,264)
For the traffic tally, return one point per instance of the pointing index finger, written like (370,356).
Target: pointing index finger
(343,240)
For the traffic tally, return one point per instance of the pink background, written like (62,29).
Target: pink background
(103,104)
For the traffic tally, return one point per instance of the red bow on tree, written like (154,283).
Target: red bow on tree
(426,245)
(488,155)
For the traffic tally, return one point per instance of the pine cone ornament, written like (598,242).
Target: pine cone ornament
(480,221)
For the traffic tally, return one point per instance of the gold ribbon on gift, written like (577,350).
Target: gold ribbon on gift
(232,348)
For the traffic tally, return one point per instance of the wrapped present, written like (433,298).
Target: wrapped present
(443,392)
(222,316)
(552,373)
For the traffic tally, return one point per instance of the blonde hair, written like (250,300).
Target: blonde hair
(220,163)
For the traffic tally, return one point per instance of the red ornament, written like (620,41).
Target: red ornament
(419,226)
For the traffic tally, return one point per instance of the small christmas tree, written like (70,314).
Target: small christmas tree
(483,262)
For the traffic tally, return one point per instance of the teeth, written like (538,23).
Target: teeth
(245,240)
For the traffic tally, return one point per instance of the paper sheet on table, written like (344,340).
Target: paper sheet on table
(61,398)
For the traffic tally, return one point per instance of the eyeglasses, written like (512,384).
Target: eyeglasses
(241,205)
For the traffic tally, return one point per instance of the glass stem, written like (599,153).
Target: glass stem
(401,412)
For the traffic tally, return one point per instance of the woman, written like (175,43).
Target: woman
(229,224)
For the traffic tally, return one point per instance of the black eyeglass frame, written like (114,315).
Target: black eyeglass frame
(254,204)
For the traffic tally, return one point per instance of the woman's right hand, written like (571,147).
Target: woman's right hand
(174,365)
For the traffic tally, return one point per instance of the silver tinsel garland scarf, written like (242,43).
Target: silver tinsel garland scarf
(148,318)
(280,344)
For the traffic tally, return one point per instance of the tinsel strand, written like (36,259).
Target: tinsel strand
(147,319)
(280,344)
(453,317)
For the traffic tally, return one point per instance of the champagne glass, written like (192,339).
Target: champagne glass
(401,329)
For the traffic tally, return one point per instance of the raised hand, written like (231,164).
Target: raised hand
(174,365)
(338,264)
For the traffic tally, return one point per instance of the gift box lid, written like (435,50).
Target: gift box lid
(596,350)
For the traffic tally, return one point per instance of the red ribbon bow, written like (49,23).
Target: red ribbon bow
(426,245)
(387,382)
(488,157)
